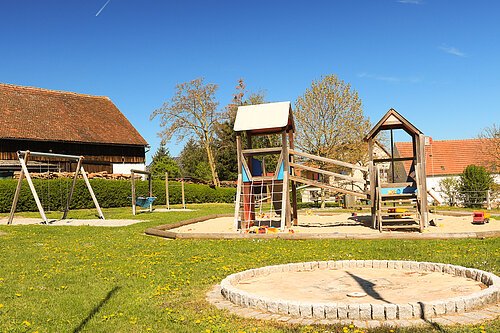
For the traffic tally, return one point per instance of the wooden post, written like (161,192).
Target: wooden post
(132,174)
(294,184)
(488,200)
(18,190)
(423,181)
(32,188)
(72,189)
(96,203)
(240,181)
(183,196)
(167,199)
(285,217)
(237,203)
(150,183)
(371,170)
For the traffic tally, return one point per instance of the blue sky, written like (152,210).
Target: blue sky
(435,61)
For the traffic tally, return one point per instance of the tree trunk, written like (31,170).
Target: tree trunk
(211,162)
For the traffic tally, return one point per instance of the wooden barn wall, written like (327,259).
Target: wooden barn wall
(97,157)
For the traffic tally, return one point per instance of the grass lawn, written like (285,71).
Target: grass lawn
(104,279)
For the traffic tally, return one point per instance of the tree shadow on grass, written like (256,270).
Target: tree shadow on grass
(96,309)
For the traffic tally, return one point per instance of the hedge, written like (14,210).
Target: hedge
(110,193)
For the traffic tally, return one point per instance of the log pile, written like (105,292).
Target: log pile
(93,175)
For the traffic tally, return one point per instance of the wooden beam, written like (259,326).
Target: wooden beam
(91,191)
(326,186)
(395,159)
(328,160)
(329,173)
(262,151)
(72,189)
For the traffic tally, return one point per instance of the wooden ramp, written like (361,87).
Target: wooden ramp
(333,175)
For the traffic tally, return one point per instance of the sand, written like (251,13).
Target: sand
(344,223)
(379,285)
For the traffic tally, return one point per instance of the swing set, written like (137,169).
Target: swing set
(144,202)
(23,156)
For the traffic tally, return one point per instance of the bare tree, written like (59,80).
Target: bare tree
(192,112)
(330,121)
(490,148)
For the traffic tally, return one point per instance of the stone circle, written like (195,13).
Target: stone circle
(237,289)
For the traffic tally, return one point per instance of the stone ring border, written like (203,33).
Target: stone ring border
(365,311)
(165,231)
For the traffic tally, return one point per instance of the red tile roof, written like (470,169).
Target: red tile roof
(447,157)
(48,115)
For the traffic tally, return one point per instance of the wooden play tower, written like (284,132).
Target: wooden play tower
(267,192)
(400,201)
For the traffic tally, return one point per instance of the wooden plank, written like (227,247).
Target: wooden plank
(328,160)
(329,173)
(389,185)
(396,159)
(262,151)
(326,186)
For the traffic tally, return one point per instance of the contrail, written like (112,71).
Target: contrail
(100,10)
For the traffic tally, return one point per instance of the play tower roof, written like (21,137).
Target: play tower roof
(264,118)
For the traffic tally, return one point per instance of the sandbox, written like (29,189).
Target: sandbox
(362,289)
(332,225)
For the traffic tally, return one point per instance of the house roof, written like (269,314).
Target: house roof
(47,115)
(447,157)
(392,120)
(269,117)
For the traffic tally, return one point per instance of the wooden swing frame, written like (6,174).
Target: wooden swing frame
(23,156)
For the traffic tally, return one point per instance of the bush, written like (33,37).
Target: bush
(110,193)
(474,183)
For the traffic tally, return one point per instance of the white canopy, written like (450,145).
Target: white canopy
(263,116)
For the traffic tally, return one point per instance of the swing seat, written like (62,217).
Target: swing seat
(144,202)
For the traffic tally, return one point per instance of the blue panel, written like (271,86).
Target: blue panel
(244,175)
(256,167)
(281,172)
(398,190)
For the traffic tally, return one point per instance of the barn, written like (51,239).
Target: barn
(63,122)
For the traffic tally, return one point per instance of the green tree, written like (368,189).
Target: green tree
(449,186)
(192,113)
(330,121)
(227,160)
(163,162)
(474,182)
(193,161)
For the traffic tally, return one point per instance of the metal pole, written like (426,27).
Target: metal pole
(96,203)
(70,196)
(183,196)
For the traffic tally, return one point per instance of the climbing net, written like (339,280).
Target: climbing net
(260,206)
